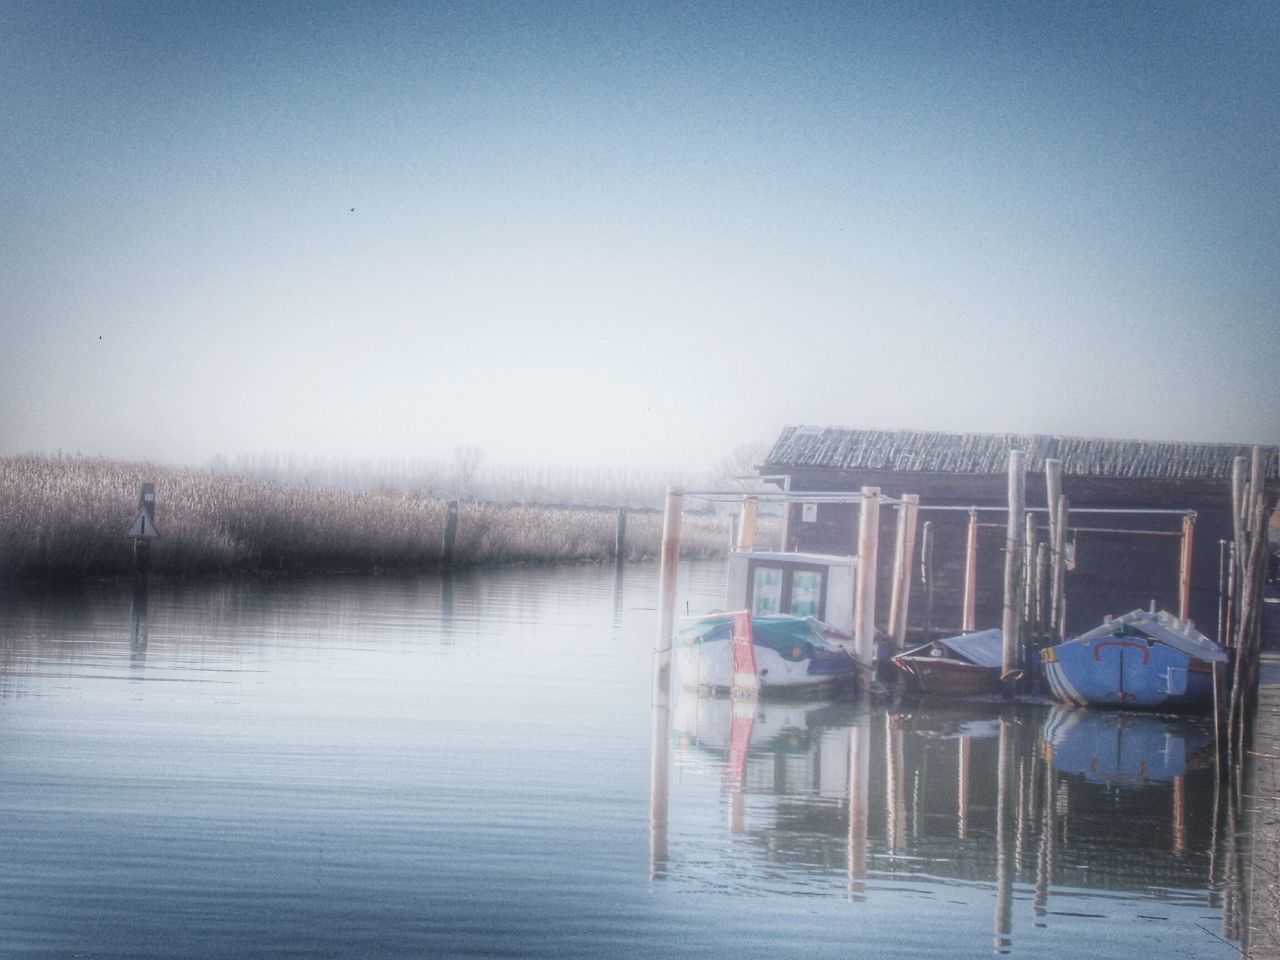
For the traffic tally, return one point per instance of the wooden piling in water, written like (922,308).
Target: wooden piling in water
(1250,518)
(1029,572)
(1011,622)
(926,575)
(903,562)
(1053,490)
(620,537)
(1058,563)
(1222,593)
(865,592)
(747,522)
(968,621)
(1184,566)
(450,534)
(669,561)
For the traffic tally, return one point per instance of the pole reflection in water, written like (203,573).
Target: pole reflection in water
(1096,813)
(1044,854)
(446,608)
(1180,815)
(895,789)
(619,581)
(138,631)
(742,719)
(1004,810)
(1232,909)
(659,789)
(859,797)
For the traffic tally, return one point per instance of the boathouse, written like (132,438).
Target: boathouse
(1119,561)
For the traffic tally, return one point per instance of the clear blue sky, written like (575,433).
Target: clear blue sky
(633,233)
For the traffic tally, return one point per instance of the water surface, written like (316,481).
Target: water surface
(414,767)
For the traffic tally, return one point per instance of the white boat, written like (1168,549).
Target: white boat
(791,654)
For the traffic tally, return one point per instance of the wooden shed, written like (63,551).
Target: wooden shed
(1122,561)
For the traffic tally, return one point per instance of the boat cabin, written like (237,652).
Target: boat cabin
(801,584)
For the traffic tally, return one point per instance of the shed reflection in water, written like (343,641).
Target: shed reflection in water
(1054,806)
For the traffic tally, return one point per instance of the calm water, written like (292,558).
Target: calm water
(405,767)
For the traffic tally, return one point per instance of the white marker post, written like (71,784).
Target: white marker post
(143,529)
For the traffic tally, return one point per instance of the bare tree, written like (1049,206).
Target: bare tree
(467,461)
(738,468)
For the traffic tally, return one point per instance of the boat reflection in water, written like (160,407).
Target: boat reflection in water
(1062,817)
(1114,747)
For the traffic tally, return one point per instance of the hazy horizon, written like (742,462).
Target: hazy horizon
(632,236)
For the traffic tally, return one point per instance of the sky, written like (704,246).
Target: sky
(632,234)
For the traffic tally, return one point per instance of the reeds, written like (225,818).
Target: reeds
(64,517)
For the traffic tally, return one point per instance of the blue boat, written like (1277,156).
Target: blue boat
(1143,659)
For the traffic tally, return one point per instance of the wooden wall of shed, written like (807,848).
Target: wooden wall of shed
(1114,573)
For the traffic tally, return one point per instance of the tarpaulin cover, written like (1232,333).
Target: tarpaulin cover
(982,648)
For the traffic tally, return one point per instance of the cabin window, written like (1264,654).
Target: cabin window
(806,593)
(766,590)
(788,588)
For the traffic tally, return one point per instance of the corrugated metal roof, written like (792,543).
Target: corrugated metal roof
(842,448)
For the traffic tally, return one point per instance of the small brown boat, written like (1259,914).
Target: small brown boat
(965,664)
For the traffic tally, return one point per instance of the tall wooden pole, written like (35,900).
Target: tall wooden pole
(747,524)
(1222,592)
(903,564)
(1041,616)
(1011,623)
(620,537)
(450,534)
(969,619)
(673,514)
(1029,569)
(1238,509)
(1184,567)
(1053,490)
(926,575)
(1058,602)
(864,638)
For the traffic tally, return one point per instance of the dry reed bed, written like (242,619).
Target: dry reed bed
(64,517)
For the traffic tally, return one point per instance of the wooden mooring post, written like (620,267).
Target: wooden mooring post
(903,564)
(620,537)
(1028,578)
(969,617)
(1184,566)
(1058,574)
(669,560)
(865,593)
(450,534)
(747,522)
(1011,622)
(926,575)
(1250,514)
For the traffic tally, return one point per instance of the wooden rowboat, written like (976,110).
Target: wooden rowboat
(960,665)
